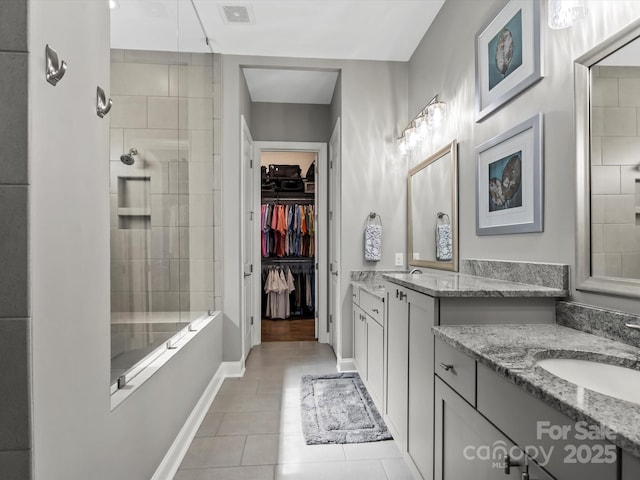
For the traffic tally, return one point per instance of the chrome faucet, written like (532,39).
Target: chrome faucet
(415,270)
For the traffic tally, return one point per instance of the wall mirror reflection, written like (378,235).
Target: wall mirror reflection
(608,153)
(433,211)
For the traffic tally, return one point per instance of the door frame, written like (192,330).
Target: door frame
(322,258)
(244,127)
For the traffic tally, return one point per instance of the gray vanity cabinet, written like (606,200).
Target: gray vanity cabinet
(422,315)
(368,342)
(532,422)
(468,446)
(397,363)
(630,467)
(360,341)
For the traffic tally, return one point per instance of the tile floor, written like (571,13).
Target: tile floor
(253,431)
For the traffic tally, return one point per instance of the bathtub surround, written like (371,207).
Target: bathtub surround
(16,417)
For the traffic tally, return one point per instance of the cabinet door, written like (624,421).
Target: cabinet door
(375,360)
(630,467)
(420,396)
(360,342)
(397,363)
(466,444)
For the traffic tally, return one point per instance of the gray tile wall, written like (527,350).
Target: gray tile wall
(164,107)
(15,321)
(615,155)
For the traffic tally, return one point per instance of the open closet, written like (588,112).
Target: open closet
(288,245)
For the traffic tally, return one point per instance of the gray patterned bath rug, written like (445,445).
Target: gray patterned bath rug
(336,408)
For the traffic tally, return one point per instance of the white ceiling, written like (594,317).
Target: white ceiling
(290,86)
(388,30)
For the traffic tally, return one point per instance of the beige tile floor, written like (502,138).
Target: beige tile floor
(253,431)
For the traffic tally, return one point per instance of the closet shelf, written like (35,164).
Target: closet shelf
(280,260)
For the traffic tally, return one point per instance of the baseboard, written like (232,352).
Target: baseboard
(345,364)
(232,369)
(171,461)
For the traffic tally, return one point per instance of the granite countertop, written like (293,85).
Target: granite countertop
(450,284)
(374,287)
(512,351)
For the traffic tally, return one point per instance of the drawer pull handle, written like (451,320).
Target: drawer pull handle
(376,310)
(508,464)
(446,367)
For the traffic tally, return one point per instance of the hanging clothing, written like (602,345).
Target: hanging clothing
(287,230)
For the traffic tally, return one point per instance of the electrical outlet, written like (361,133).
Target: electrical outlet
(399,260)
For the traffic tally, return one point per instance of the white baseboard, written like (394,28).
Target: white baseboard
(346,364)
(173,458)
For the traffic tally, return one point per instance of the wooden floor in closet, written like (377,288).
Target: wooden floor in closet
(288,330)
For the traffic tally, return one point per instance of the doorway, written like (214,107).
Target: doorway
(291,232)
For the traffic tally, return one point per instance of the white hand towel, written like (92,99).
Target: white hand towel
(373,243)
(444,239)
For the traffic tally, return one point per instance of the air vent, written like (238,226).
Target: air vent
(237,14)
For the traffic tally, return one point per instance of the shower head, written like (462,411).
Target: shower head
(128,158)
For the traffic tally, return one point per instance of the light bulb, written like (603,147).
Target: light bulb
(564,13)
(436,113)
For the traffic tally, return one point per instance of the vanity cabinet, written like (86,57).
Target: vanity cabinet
(630,467)
(368,342)
(360,341)
(397,363)
(467,445)
(422,315)
(501,413)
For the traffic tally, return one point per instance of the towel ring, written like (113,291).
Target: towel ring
(372,217)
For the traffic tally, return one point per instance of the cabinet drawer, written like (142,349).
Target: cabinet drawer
(457,370)
(373,306)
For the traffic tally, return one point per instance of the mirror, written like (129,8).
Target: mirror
(433,211)
(607,88)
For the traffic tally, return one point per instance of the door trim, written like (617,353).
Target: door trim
(322,259)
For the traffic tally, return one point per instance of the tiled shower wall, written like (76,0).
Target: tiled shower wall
(615,158)
(15,321)
(165,208)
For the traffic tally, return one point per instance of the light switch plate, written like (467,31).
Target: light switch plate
(399,260)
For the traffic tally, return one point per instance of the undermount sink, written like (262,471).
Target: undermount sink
(612,380)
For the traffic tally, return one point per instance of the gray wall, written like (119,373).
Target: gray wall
(373,108)
(290,122)
(449,71)
(15,321)
(76,435)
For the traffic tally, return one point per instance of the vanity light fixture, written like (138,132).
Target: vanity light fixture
(565,13)
(418,128)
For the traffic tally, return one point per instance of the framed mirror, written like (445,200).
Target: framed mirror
(607,89)
(433,211)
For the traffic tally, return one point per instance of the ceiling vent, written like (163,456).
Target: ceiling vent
(237,14)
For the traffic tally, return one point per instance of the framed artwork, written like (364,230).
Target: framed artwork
(509,181)
(508,55)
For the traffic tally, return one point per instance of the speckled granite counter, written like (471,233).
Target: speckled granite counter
(512,351)
(446,284)
(375,288)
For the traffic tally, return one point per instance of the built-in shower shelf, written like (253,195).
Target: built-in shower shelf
(134,212)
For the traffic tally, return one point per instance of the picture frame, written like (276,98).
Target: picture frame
(509,175)
(508,55)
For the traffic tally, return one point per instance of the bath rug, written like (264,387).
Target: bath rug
(336,408)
